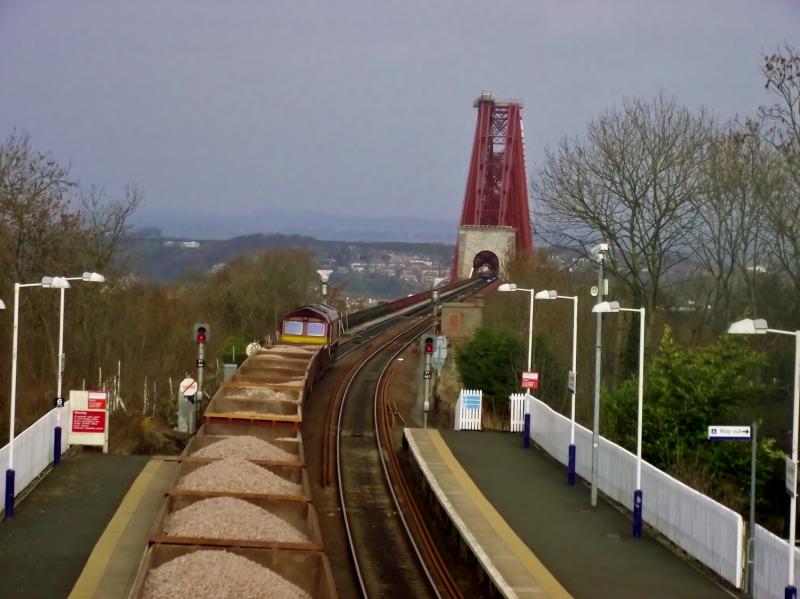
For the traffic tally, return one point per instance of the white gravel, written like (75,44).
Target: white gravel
(231,518)
(245,446)
(217,575)
(237,475)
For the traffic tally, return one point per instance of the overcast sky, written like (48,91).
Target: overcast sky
(355,107)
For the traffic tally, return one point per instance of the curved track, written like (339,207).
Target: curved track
(392,552)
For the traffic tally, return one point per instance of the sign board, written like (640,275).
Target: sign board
(426,374)
(471,402)
(201,363)
(721,433)
(88,418)
(59,402)
(571,383)
(439,352)
(188,387)
(791,477)
(530,380)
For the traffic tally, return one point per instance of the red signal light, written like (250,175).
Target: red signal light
(428,345)
(201,334)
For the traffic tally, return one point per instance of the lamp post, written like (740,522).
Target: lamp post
(87,277)
(533,295)
(599,252)
(572,382)
(759,327)
(50,282)
(638,498)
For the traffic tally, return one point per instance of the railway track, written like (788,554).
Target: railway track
(392,550)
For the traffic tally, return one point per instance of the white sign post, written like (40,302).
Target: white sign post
(721,433)
(88,418)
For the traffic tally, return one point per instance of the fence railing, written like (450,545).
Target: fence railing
(33,448)
(772,565)
(704,528)
(469,408)
(516,408)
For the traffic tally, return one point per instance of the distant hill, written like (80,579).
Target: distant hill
(162,258)
(319,225)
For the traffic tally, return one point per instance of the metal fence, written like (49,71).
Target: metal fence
(772,565)
(468,410)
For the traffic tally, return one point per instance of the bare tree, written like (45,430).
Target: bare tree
(631,184)
(741,177)
(782,120)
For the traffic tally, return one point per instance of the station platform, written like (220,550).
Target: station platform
(534,535)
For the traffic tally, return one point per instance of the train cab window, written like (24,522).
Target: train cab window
(315,329)
(293,327)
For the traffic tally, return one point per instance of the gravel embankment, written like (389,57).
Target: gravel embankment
(231,518)
(217,575)
(237,475)
(251,448)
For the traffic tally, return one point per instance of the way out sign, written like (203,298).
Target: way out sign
(88,418)
(530,380)
(722,433)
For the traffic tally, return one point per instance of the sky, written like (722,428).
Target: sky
(357,108)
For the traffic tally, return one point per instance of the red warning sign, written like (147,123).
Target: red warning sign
(84,421)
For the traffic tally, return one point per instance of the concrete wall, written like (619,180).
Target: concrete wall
(460,320)
(474,239)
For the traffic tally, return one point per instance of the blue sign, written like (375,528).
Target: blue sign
(471,402)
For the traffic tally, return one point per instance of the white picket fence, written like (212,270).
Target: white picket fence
(517,409)
(33,448)
(468,410)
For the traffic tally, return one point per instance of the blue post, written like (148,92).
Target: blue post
(571,466)
(9,493)
(57,447)
(790,592)
(637,513)
(526,434)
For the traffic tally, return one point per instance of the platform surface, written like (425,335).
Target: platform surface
(589,551)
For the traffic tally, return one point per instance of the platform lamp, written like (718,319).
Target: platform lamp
(638,497)
(572,382)
(87,277)
(759,326)
(52,283)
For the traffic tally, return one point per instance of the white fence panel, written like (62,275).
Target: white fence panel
(33,448)
(705,529)
(517,410)
(772,565)
(468,410)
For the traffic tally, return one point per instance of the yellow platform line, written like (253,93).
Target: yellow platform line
(536,568)
(95,567)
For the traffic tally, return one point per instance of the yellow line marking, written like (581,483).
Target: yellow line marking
(517,546)
(96,565)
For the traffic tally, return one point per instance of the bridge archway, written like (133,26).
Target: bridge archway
(483,247)
(486,264)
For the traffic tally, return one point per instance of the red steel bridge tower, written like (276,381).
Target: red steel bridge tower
(496,197)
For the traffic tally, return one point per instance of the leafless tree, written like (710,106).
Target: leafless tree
(782,122)
(631,184)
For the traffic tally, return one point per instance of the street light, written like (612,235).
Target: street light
(638,499)
(572,382)
(547,294)
(53,283)
(759,327)
(87,277)
(599,252)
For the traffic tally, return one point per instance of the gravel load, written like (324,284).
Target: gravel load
(237,475)
(245,446)
(211,574)
(231,518)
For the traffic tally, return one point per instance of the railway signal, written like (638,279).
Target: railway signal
(201,332)
(428,345)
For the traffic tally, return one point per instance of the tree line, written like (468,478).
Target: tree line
(50,225)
